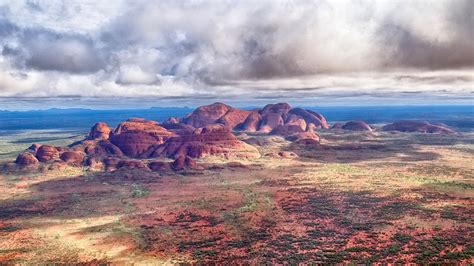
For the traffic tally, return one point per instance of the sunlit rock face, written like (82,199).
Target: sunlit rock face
(262,120)
(135,136)
(212,140)
(99,131)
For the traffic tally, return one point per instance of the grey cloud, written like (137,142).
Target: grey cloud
(220,42)
(42,49)
(46,51)
(189,48)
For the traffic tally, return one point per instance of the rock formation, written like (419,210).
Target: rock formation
(213,140)
(337,125)
(185,162)
(216,113)
(47,153)
(262,120)
(131,164)
(356,126)
(135,136)
(99,131)
(286,130)
(26,159)
(207,131)
(308,135)
(72,157)
(417,126)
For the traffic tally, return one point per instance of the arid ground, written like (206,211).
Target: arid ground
(357,197)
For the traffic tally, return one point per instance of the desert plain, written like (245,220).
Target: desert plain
(349,197)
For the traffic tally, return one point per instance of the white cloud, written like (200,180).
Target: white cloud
(240,49)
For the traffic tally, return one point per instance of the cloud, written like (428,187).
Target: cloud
(48,51)
(236,49)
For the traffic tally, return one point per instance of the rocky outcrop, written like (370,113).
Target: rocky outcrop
(213,140)
(47,153)
(99,131)
(337,125)
(94,163)
(34,148)
(307,137)
(111,163)
(159,166)
(26,159)
(132,164)
(233,118)
(135,136)
(286,130)
(278,108)
(310,117)
(207,131)
(270,121)
(356,126)
(172,120)
(252,122)
(185,162)
(262,120)
(101,148)
(72,157)
(216,113)
(417,126)
(179,128)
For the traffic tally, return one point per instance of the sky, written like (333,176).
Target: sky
(107,54)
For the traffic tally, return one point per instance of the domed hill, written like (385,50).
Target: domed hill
(417,126)
(99,131)
(212,140)
(136,135)
(356,126)
(47,153)
(273,116)
(26,159)
(262,120)
(216,113)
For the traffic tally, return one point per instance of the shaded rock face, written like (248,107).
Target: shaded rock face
(47,153)
(252,122)
(72,157)
(34,148)
(337,125)
(310,117)
(213,140)
(285,130)
(26,159)
(111,163)
(131,164)
(102,148)
(270,121)
(216,113)
(94,162)
(417,126)
(356,126)
(159,166)
(185,162)
(179,128)
(135,136)
(99,131)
